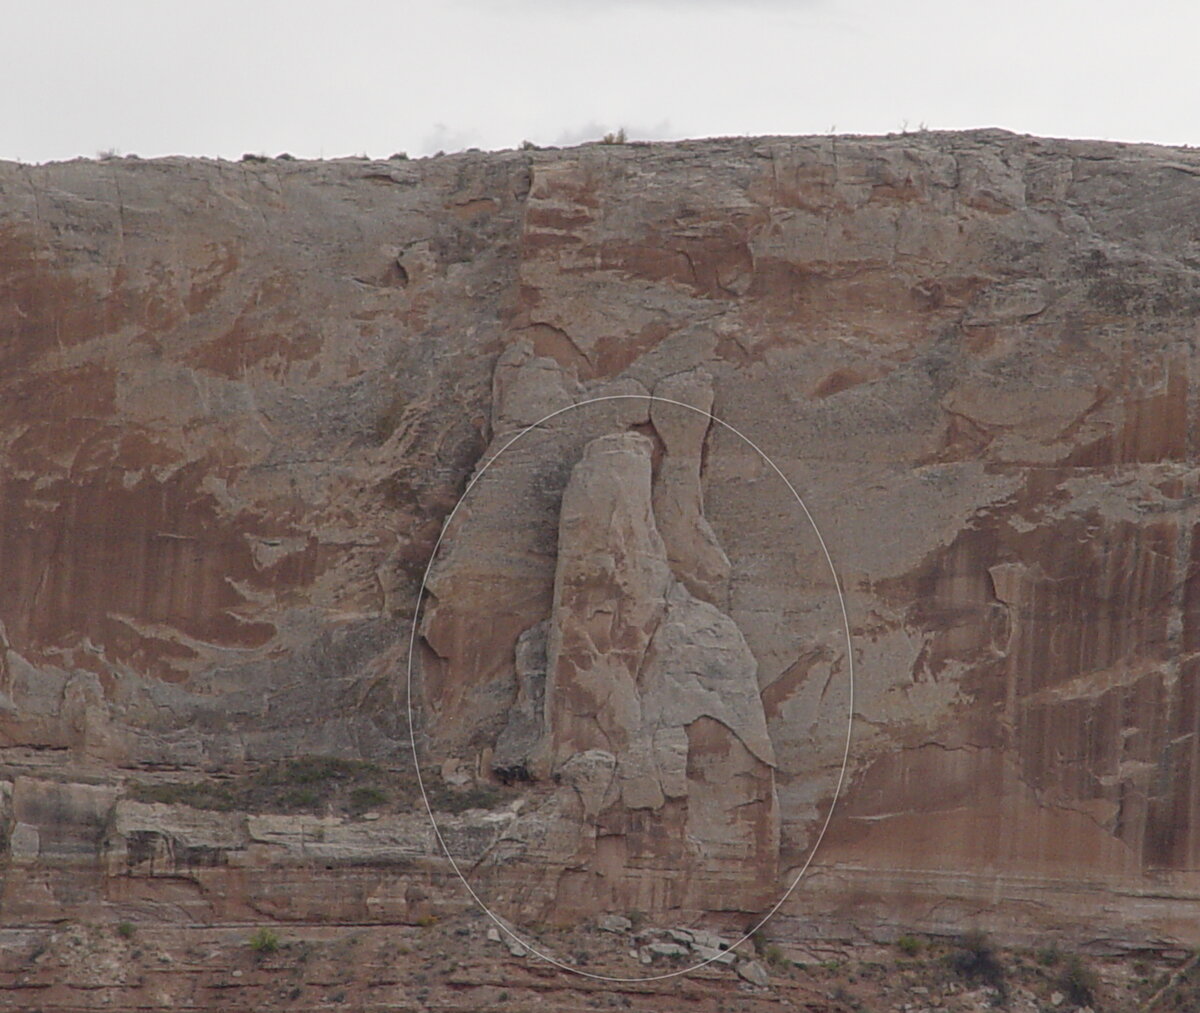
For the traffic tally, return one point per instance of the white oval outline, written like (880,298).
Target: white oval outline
(412,737)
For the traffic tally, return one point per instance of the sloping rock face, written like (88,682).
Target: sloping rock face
(237,403)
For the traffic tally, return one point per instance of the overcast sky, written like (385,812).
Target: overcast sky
(325,78)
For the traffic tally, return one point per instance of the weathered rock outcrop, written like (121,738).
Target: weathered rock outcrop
(650,711)
(237,403)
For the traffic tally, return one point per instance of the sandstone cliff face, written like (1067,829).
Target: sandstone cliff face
(238,402)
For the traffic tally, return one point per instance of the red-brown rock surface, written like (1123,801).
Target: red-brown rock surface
(237,402)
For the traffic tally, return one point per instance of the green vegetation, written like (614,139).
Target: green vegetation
(125,930)
(445,799)
(614,138)
(976,960)
(1048,956)
(315,770)
(1079,982)
(265,940)
(910,946)
(198,794)
(307,784)
(366,798)
(774,956)
(317,784)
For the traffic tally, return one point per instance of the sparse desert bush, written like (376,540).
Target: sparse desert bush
(265,940)
(443,798)
(614,138)
(1048,956)
(304,784)
(910,946)
(317,784)
(976,960)
(1079,982)
(774,956)
(125,930)
(215,795)
(367,797)
(315,770)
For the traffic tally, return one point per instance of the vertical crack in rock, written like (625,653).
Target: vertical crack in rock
(695,554)
(522,736)
(491,581)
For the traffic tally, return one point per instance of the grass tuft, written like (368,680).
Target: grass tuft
(265,940)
